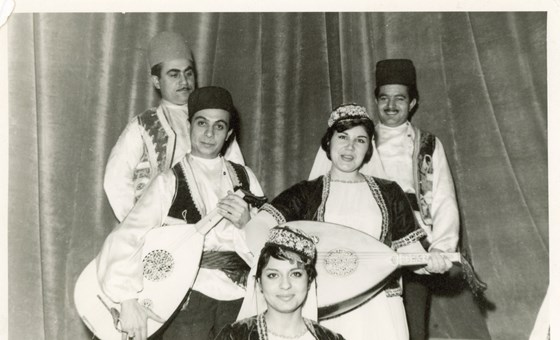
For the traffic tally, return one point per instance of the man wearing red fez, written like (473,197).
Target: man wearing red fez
(157,138)
(200,182)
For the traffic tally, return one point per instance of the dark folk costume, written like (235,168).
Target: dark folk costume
(184,194)
(254,328)
(375,206)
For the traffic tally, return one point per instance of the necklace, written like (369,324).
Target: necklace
(343,181)
(359,180)
(297,336)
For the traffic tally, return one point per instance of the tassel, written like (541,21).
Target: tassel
(477,286)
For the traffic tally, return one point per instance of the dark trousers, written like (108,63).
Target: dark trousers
(416,298)
(202,319)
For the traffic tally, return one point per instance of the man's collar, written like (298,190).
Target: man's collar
(170,105)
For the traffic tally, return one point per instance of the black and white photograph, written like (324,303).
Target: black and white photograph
(268,171)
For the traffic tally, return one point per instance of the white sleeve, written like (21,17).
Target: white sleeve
(233,153)
(119,264)
(242,245)
(119,172)
(445,213)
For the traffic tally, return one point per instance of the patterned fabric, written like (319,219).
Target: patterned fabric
(348,111)
(306,201)
(154,158)
(238,174)
(184,206)
(229,262)
(295,240)
(408,239)
(269,208)
(157,136)
(424,146)
(254,328)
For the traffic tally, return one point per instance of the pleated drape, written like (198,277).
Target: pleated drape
(75,80)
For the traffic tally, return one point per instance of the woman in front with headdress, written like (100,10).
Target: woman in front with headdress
(374,206)
(285,271)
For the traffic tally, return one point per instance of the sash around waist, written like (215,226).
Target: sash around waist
(228,262)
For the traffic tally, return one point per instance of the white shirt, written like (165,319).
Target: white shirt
(213,183)
(395,146)
(392,159)
(127,154)
(120,264)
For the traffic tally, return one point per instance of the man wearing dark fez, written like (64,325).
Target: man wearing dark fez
(415,159)
(200,181)
(157,138)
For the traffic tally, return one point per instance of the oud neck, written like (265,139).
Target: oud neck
(413,259)
(212,218)
(208,222)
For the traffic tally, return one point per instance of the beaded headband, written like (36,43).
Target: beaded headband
(347,111)
(293,239)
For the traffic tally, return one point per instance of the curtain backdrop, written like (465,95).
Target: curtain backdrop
(75,80)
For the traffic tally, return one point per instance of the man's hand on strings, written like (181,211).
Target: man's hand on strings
(234,209)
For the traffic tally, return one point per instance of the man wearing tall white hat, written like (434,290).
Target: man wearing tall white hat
(157,138)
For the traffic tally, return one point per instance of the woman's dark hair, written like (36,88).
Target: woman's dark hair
(345,124)
(279,253)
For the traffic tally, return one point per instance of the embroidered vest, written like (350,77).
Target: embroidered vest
(159,144)
(184,207)
(153,159)
(423,171)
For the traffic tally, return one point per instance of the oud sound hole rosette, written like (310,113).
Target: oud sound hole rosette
(341,262)
(158,264)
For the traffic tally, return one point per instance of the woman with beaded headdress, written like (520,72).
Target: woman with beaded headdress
(375,206)
(284,275)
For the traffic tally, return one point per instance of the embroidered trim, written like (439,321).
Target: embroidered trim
(423,171)
(142,175)
(261,327)
(382,206)
(390,292)
(408,239)
(343,181)
(233,174)
(293,239)
(324,196)
(269,208)
(156,134)
(242,175)
(348,111)
(186,168)
(263,332)
(297,336)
